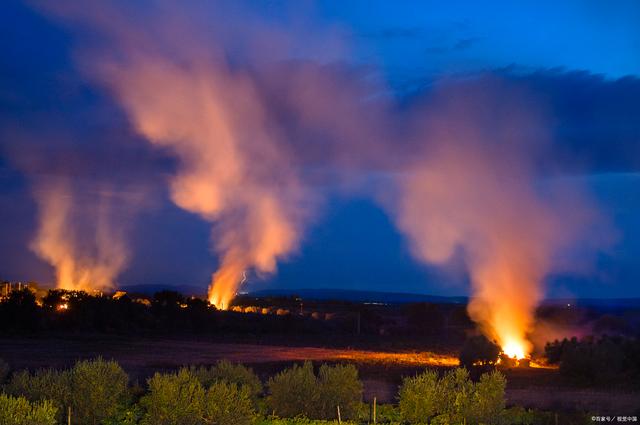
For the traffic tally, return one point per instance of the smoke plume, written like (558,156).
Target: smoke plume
(472,190)
(79,239)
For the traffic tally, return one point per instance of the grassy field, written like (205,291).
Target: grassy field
(380,371)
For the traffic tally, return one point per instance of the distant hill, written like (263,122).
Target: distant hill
(187,290)
(358,296)
(324,294)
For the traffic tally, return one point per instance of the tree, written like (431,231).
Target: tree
(99,389)
(489,398)
(228,404)
(479,351)
(452,399)
(338,386)
(44,384)
(419,397)
(230,373)
(174,399)
(19,411)
(293,392)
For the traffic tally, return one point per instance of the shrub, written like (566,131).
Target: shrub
(297,392)
(419,397)
(454,398)
(176,398)
(456,394)
(44,384)
(479,351)
(98,390)
(338,386)
(293,391)
(19,411)
(489,397)
(228,404)
(231,373)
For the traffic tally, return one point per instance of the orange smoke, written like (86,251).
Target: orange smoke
(232,171)
(472,194)
(79,264)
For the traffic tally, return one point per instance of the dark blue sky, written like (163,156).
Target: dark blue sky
(579,59)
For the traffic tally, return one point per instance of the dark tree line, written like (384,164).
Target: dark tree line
(611,361)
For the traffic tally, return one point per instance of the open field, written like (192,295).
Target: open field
(381,371)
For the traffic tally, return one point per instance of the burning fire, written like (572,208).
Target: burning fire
(78,265)
(515,350)
(472,195)
(233,171)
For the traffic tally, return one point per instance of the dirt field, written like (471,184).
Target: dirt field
(381,372)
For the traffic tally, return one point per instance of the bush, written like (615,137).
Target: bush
(176,398)
(99,389)
(230,373)
(228,404)
(479,351)
(419,397)
(456,394)
(489,398)
(297,392)
(338,386)
(454,398)
(293,391)
(44,384)
(19,411)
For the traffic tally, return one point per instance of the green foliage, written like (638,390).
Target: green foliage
(488,400)
(231,373)
(228,404)
(44,384)
(479,351)
(298,392)
(130,415)
(419,397)
(452,399)
(19,411)
(293,392)
(297,421)
(456,393)
(98,390)
(520,416)
(338,386)
(173,399)
(94,389)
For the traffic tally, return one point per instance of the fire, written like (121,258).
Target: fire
(472,197)
(515,350)
(79,264)
(234,171)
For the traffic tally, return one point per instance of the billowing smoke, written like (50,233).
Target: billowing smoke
(231,172)
(78,238)
(473,191)
(242,134)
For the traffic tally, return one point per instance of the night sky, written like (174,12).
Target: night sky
(578,61)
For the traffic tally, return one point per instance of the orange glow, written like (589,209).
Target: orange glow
(234,170)
(78,265)
(515,350)
(471,196)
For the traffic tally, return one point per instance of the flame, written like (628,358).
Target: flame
(515,349)
(78,265)
(234,172)
(471,196)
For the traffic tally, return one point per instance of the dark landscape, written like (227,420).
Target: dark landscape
(319,212)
